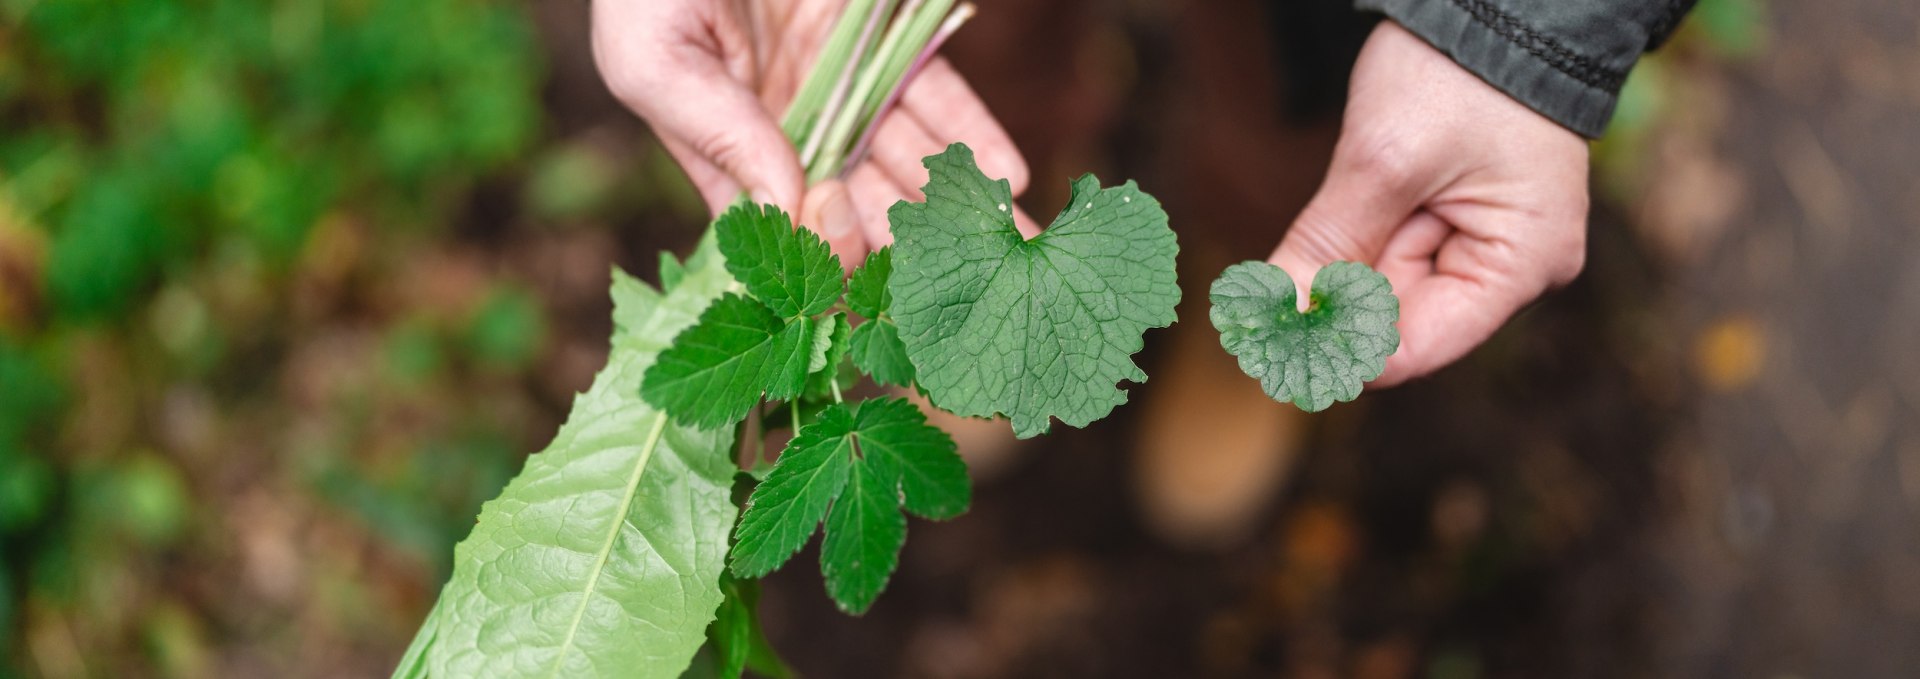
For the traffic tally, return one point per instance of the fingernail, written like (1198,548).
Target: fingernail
(762,197)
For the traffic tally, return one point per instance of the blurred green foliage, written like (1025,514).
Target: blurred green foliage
(193,193)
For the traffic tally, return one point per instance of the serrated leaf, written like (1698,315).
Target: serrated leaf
(786,508)
(791,270)
(876,350)
(1031,329)
(820,382)
(603,557)
(1314,358)
(895,436)
(865,532)
(884,444)
(717,370)
(867,291)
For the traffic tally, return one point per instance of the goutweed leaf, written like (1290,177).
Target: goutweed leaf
(717,370)
(791,270)
(857,465)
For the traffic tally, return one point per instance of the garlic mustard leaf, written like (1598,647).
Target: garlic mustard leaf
(1030,329)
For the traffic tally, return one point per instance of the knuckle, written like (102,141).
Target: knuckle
(722,147)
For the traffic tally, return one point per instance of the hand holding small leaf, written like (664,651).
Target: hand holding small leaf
(1469,202)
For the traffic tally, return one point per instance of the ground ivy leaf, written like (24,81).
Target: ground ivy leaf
(867,291)
(786,508)
(877,350)
(865,531)
(716,370)
(1031,329)
(603,557)
(819,381)
(791,270)
(1315,358)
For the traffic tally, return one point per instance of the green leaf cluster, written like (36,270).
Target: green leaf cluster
(1311,358)
(606,556)
(762,344)
(852,464)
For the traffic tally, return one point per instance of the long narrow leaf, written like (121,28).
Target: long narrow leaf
(603,558)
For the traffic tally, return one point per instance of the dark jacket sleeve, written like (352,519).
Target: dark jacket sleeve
(1563,58)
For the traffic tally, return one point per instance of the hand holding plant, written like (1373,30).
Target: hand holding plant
(1470,203)
(708,77)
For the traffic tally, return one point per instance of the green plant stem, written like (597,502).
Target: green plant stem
(947,28)
(835,54)
(844,80)
(911,29)
(834,384)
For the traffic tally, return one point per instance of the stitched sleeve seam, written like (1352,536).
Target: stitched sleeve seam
(1542,47)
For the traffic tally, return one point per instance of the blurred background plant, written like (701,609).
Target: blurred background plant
(256,349)
(288,288)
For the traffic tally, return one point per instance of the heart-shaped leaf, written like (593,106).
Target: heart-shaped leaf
(1310,358)
(1034,329)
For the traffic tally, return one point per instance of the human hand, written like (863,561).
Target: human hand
(710,77)
(1470,203)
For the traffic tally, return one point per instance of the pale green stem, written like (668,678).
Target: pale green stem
(910,30)
(843,82)
(959,17)
(827,70)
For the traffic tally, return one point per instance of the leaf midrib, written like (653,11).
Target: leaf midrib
(606,548)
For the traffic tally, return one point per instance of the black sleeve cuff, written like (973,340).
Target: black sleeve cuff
(1575,88)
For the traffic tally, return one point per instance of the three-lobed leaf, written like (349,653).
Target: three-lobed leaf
(785,508)
(1315,358)
(855,466)
(1031,329)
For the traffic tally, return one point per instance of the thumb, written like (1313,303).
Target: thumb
(829,211)
(1350,218)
